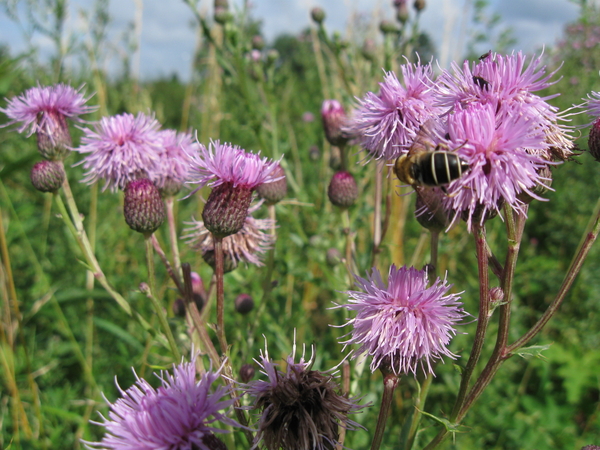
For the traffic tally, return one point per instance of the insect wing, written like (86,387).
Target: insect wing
(424,140)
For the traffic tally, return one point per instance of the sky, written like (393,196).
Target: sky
(168,37)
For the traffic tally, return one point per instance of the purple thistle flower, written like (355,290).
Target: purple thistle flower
(506,82)
(501,153)
(403,323)
(591,105)
(247,245)
(387,123)
(173,166)
(43,110)
(120,149)
(234,175)
(229,164)
(177,415)
(300,408)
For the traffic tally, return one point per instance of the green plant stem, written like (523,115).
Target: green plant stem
(151,294)
(377,210)
(170,202)
(419,407)
(390,382)
(220,294)
(163,257)
(350,235)
(482,318)
(78,232)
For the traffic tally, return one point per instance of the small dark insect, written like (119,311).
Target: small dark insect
(426,164)
(481,82)
(485,55)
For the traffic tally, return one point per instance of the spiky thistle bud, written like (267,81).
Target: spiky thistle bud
(143,208)
(334,120)
(318,15)
(247,372)
(258,43)
(419,5)
(275,191)
(594,140)
(47,176)
(244,303)
(388,27)
(343,190)
(226,209)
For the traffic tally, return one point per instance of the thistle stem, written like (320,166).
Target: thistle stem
(151,294)
(390,382)
(219,272)
(170,202)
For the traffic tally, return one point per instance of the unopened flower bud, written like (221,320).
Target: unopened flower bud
(318,15)
(247,372)
(272,56)
(258,43)
(388,27)
(419,5)
(274,192)
(496,294)
(343,190)
(143,207)
(221,4)
(47,176)
(402,12)
(244,303)
(226,209)
(369,50)
(594,140)
(222,15)
(333,257)
(334,120)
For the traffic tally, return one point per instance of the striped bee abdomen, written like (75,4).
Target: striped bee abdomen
(437,168)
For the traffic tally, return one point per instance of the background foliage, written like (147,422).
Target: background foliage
(542,403)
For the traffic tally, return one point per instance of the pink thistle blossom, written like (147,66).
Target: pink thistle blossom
(387,123)
(178,415)
(173,166)
(120,149)
(44,110)
(502,155)
(402,323)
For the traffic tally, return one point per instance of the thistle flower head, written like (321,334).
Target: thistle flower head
(120,149)
(233,174)
(180,414)
(403,322)
(300,408)
(43,110)
(143,207)
(47,176)
(342,190)
(387,123)
(275,191)
(246,245)
(501,153)
(172,168)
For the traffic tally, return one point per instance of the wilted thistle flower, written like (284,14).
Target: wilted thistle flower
(143,207)
(120,149)
(178,415)
(275,191)
(44,110)
(334,122)
(47,176)
(246,245)
(171,169)
(403,322)
(233,174)
(342,190)
(300,408)
(501,153)
(387,123)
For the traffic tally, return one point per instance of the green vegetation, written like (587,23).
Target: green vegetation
(64,340)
